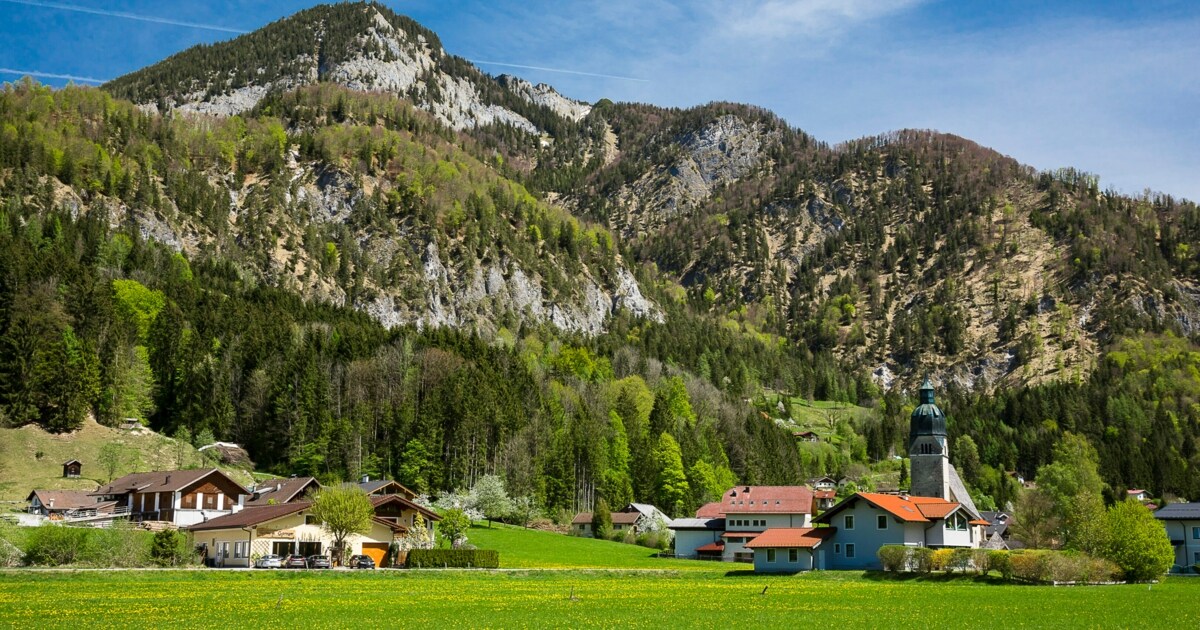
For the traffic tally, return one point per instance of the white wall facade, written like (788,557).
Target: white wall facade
(687,541)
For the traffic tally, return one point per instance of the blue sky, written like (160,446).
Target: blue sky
(1109,87)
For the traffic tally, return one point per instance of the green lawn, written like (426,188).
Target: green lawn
(574,598)
(526,548)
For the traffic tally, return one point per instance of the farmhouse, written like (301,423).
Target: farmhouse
(234,539)
(742,514)
(638,517)
(181,497)
(867,521)
(65,504)
(790,549)
(382,487)
(1182,522)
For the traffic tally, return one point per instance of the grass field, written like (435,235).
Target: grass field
(571,598)
(31,458)
(522,549)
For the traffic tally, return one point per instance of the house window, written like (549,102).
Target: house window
(881,521)
(837,548)
(770,555)
(849,550)
(241,549)
(849,521)
(793,556)
(1196,533)
(957,522)
(1196,556)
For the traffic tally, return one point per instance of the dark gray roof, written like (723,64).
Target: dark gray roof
(1178,512)
(288,490)
(161,481)
(717,524)
(999,522)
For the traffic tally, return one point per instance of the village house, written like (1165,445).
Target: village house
(66,504)
(823,483)
(398,509)
(998,534)
(276,491)
(824,499)
(180,497)
(742,514)
(234,540)
(867,521)
(1135,494)
(382,487)
(1182,522)
(638,517)
(788,550)
(806,436)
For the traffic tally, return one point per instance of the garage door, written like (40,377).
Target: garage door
(377,551)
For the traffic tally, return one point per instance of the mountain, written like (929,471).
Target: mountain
(362,46)
(333,242)
(906,253)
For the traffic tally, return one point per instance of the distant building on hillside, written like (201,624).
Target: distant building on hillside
(636,516)
(72,469)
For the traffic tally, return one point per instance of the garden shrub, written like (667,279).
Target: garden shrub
(54,545)
(922,559)
(1060,566)
(981,560)
(942,559)
(1028,565)
(170,548)
(894,557)
(1001,562)
(960,559)
(457,558)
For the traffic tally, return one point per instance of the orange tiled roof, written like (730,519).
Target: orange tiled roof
(905,508)
(979,522)
(806,537)
(711,510)
(712,546)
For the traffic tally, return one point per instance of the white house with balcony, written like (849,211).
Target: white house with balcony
(180,497)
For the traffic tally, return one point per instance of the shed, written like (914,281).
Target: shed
(72,469)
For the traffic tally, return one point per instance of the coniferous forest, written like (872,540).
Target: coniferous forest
(201,274)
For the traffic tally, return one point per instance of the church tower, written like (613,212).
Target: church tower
(928,451)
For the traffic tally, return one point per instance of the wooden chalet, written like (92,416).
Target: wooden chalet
(181,497)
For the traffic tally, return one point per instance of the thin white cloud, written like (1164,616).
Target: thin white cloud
(558,70)
(788,18)
(127,16)
(51,75)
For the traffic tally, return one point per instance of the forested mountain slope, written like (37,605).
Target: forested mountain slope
(333,242)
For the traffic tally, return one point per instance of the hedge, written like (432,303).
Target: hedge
(1025,565)
(457,558)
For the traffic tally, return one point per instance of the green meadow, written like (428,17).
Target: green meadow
(571,598)
(551,580)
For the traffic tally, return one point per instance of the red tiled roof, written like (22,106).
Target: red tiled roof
(768,500)
(778,537)
(712,546)
(740,534)
(979,522)
(711,510)
(936,510)
(824,494)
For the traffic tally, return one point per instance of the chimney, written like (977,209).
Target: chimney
(365,479)
(51,505)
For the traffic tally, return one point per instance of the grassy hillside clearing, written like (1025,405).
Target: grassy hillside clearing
(455,599)
(32,458)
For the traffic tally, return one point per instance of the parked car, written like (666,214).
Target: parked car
(295,561)
(269,561)
(361,562)
(318,562)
